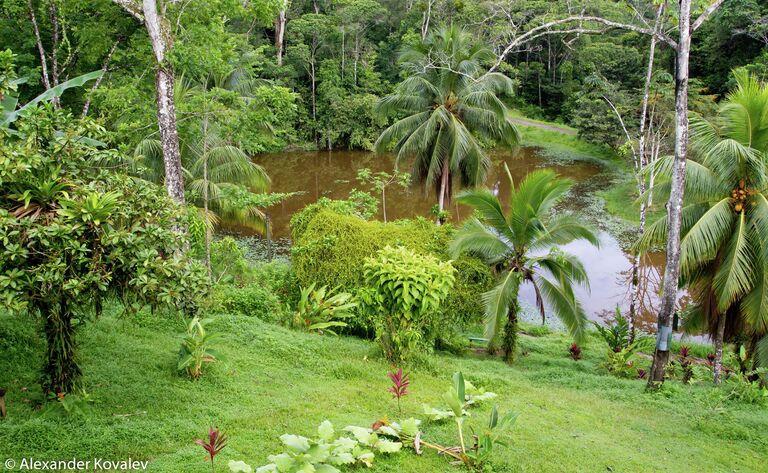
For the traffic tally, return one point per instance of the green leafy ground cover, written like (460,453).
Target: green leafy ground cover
(573,416)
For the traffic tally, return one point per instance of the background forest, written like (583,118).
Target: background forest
(308,73)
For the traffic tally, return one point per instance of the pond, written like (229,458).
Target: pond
(334,175)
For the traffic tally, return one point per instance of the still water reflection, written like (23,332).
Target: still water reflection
(333,175)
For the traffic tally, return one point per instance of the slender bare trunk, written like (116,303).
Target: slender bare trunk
(717,367)
(205,199)
(426,19)
(384,203)
(357,54)
(343,52)
(280,22)
(314,96)
(675,203)
(40,48)
(54,50)
(442,198)
(96,84)
(641,161)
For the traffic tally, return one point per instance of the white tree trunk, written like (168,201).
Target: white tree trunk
(675,203)
(426,19)
(280,22)
(157,29)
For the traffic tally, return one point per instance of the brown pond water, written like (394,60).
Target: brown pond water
(333,175)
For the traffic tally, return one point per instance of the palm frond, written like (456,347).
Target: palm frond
(479,239)
(736,275)
(561,298)
(497,302)
(704,239)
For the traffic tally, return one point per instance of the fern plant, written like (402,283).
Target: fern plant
(196,348)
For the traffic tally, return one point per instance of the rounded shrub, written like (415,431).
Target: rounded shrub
(331,248)
(404,293)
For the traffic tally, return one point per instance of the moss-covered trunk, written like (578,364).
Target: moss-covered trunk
(61,370)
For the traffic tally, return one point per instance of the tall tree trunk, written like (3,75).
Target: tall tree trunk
(717,367)
(54,12)
(675,203)
(343,52)
(157,28)
(641,161)
(280,22)
(169,138)
(314,97)
(357,54)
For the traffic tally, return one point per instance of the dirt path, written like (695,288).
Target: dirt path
(545,126)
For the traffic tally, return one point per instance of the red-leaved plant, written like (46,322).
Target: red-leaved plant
(686,363)
(575,352)
(400,383)
(710,359)
(215,443)
(684,351)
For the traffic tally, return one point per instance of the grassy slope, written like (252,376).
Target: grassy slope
(573,418)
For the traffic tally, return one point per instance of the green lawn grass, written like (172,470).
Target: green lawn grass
(573,417)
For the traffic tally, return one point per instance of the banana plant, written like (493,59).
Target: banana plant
(9,112)
(196,348)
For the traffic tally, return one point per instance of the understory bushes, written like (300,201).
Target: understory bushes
(261,289)
(253,300)
(331,243)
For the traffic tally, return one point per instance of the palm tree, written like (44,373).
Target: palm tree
(217,173)
(448,105)
(724,252)
(523,249)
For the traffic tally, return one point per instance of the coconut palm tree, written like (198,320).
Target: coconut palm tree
(724,251)
(522,247)
(447,105)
